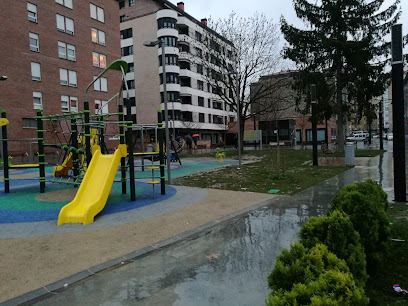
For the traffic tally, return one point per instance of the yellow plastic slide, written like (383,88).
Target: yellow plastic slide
(95,187)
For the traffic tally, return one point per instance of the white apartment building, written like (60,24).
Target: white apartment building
(193,107)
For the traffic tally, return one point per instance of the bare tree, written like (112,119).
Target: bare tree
(237,51)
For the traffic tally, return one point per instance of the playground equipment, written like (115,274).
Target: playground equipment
(7,165)
(95,187)
(100,168)
(220,155)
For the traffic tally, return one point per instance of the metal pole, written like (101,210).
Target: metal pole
(162,44)
(381,125)
(174,129)
(5,154)
(314,124)
(238,118)
(398,114)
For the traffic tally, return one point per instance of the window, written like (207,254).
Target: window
(66,51)
(62,50)
(29,123)
(68,77)
(200,85)
(132,2)
(71,52)
(101,107)
(122,18)
(99,60)
(97,13)
(169,41)
(171,59)
(209,118)
(172,96)
(201,101)
(74,104)
(34,42)
(166,22)
(65,24)
(199,69)
(65,103)
(130,84)
(32,12)
(37,99)
(35,71)
(209,104)
(98,36)
(101,84)
(69,104)
(217,105)
(122,4)
(170,78)
(199,52)
(131,67)
(127,33)
(200,117)
(198,36)
(127,50)
(67,3)
(63,76)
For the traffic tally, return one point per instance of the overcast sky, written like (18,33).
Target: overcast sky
(271,8)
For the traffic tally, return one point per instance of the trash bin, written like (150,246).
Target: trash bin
(349,154)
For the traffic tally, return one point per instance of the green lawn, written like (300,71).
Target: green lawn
(291,174)
(395,270)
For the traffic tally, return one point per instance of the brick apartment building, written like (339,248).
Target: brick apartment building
(193,104)
(50,51)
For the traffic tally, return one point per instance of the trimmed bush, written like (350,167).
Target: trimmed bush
(333,287)
(337,233)
(302,265)
(366,204)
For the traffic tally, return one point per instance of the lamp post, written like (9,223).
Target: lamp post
(314,124)
(162,45)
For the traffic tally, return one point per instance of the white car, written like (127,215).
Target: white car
(389,136)
(357,137)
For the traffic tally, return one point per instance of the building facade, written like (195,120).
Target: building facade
(51,50)
(193,107)
(281,118)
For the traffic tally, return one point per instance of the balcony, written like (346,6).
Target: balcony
(185,81)
(184,65)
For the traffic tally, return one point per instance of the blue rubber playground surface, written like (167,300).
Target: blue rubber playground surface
(25,203)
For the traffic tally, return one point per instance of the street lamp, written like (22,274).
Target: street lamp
(314,124)
(162,45)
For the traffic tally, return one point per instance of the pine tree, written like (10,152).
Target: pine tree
(343,47)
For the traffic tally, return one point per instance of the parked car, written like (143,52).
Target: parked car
(389,136)
(360,136)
